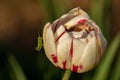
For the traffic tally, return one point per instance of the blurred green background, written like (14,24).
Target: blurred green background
(20,22)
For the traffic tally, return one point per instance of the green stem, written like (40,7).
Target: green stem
(66,75)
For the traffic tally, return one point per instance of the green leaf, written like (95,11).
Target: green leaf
(39,44)
(115,75)
(103,69)
(60,8)
(100,13)
(48,9)
(15,69)
(97,11)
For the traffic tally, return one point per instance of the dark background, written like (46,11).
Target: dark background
(20,22)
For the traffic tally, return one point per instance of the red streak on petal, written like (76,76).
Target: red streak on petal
(96,30)
(81,66)
(54,58)
(64,64)
(75,68)
(56,26)
(60,36)
(71,50)
(91,29)
(81,21)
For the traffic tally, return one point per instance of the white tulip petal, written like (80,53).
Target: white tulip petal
(77,11)
(63,53)
(96,26)
(102,42)
(63,16)
(88,58)
(78,49)
(74,21)
(49,43)
(61,34)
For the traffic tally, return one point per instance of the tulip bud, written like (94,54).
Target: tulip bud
(74,42)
